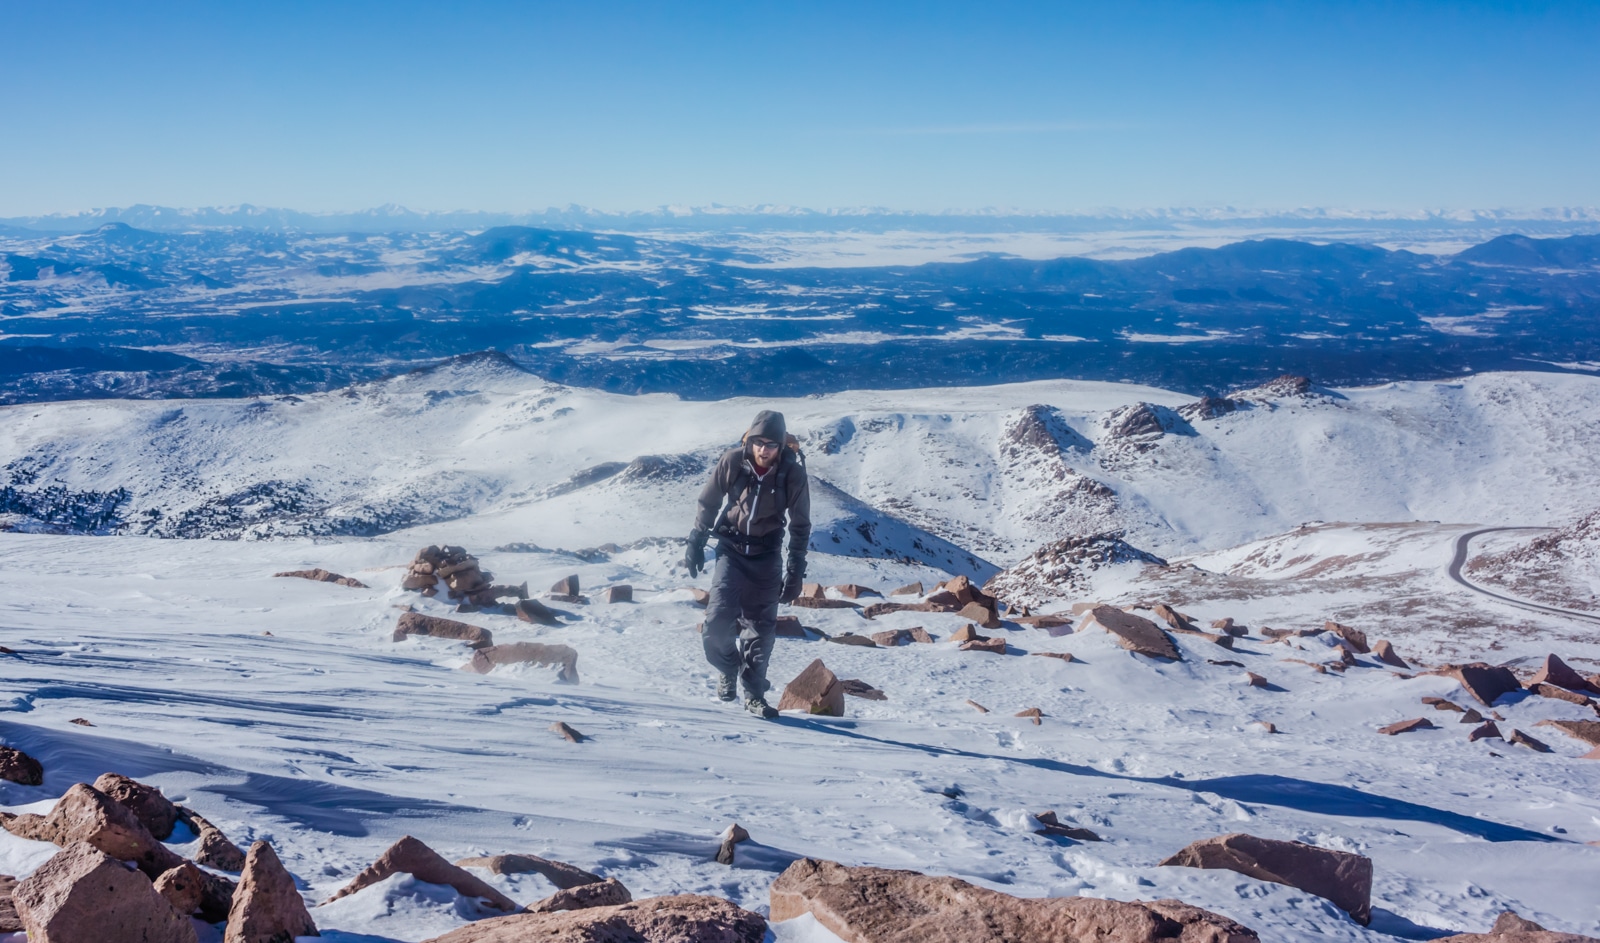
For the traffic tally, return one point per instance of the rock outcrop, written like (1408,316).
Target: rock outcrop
(878,905)
(1557,672)
(410,856)
(1510,928)
(462,577)
(324,576)
(1064,568)
(1485,682)
(1406,726)
(20,768)
(85,814)
(1136,634)
(816,690)
(267,908)
(415,623)
(183,887)
(684,918)
(215,850)
(1343,878)
(607,893)
(81,893)
(484,660)
(559,873)
(153,810)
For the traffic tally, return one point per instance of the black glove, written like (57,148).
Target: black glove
(793,577)
(695,557)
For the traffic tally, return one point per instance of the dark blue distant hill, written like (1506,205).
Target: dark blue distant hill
(1526,252)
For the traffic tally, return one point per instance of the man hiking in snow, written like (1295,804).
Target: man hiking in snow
(763,481)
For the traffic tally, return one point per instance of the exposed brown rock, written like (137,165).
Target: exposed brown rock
(484,660)
(1064,656)
(79,894)
(607,893)
(920,635)
(1387,655)
(559,873)
(1544,689)
(877,905)
(1172,617)
(1586,730)
(1484,682)
(851,638)
(910,589)
(1510,928)
(1256,681)
(976,706)
(9,921)
(966,633)
(1538,746)
(1225,625)
(1486,732)
(410,856)
(621,592)
(1033,713)
(1266,725)
(944,601)
(181,886)
(884,608)
(215,850)
(790,627)
(566,586)
(1050,825)
(983,615)
(81,722)
(892,638)
(1226,641)
(1136,634)
(1406,726)
(683,918)
(816,690)
(731,836)
(813,591)
(86,814)
(1042,622)
(811,602)
(267,908)
(996,646)
(536,612)
(1356,637)
(1340,877)
(323,576)
(148,805)
(855,687)
(1471,716)
(852,591)
(1443,704)
(415,623)
(701,597)
(20,768)
(1555,671)
(567,733)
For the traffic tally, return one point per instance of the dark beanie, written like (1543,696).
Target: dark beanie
(768,425)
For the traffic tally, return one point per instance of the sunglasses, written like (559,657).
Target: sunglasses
(763,444)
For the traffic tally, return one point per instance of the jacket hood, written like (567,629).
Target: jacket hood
(768,425)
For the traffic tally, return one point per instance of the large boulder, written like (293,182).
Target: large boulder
(183,887)
(1355,638)
(148,805)
(1343,878)
(484,660)
(878,905)
(1137,635)
(532,610)
(415,623)
(607,893)
(20,768)
(86,814)
(410,856)
(82,893)
(215,850)
(8,908)
(267,908)
(1510,928)
(1557,672)
(559,873)
(683,918)
(1485,682)
(1586,730)
(816,690)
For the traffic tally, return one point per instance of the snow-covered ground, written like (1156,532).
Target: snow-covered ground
(332,741)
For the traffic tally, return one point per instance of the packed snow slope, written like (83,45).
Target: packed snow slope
(965,480)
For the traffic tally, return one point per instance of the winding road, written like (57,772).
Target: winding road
(1460,560)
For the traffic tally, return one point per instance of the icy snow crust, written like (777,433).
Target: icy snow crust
(331,741)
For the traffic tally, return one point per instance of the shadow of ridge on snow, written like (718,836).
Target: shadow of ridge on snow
(1387,921)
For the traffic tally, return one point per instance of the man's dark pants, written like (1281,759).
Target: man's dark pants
(742,616)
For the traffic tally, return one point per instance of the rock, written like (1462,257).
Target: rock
(1173,617)
(981,614)
(877,905)
(532,610)
(1406,726)
(323,576)
(86,814)
(415,623)
(809,602)
(966,633)
(1225,625)
(790,627)
(215,850)
(1486,732)
(148,805)
(813,591)
(1320,669)
(1031,712)
(850,638)
(682,918)
(81,722)
(410,856)
(1443,704)
(1510,928)
(994,645)
(1226,641)
(1050,825)
(1137,635)
(1042,622)
(1225,662)
(567,733)
(415,580)
(181,886)
(1356,638)
(976,706)
(731,836)
(701,597)
(1555,671)
(1266,725)
(1386,654)
(910,589)
(1544,689)
(1485,682)
(607,893)
(892,638)
(884,608)
(1340,877)
(1586,730)
(20,768)
(567,586)
(920,635)
(944,601)
(1256,681)
(621,592)
(1537,746)
(858,688)
(816,690)
(1064,656)
(9,921)
(484,660)
(559,873)
(1207,407)
(267,908)
(852,591)
(1470,716)
(81,893)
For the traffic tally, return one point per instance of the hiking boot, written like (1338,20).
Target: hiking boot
(757,705)
(727,687)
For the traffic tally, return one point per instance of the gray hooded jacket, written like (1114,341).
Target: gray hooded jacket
(753,521)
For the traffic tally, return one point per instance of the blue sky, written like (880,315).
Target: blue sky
(920,106)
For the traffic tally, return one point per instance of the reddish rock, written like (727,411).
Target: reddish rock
(944,601)
(9,921)
(81,722)
(1537,746)
(995,646)
(1555,671)
(1485,682)
(1173,617)
(920,635)
(414,580)
(790,627)
(1340,877)
(1406,726)
(1225,662)
(1266,725)
(1356,637)
(415,623)
(20,768)
(621,592)
(1386,654)
(1256,681)
(966,633)
(86,814)
(1064,656)
(976,706)
(215,850)
(892,638)
(1137,635)
(1033,713)
(855,687)
(182,887)
(1544,689)
(559,873)
(567,586)
(813,591)
(910,589)
(816,690)
(1510,928)
(484,660)
(607,893)
(884,608)
(566,732)
(1443,704)
(732,836)
(683,918)
(410,856)
(536,612)
(1042,622)
(1225,625)
(852,591)
(1050,825)
(701,597)
(1486,732)
(850,638)
(323,576)
(877,905)
(1586,730)
(983,615)
(147,804)
(810,602)
(1471,716)
(81,893)
(267,908)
